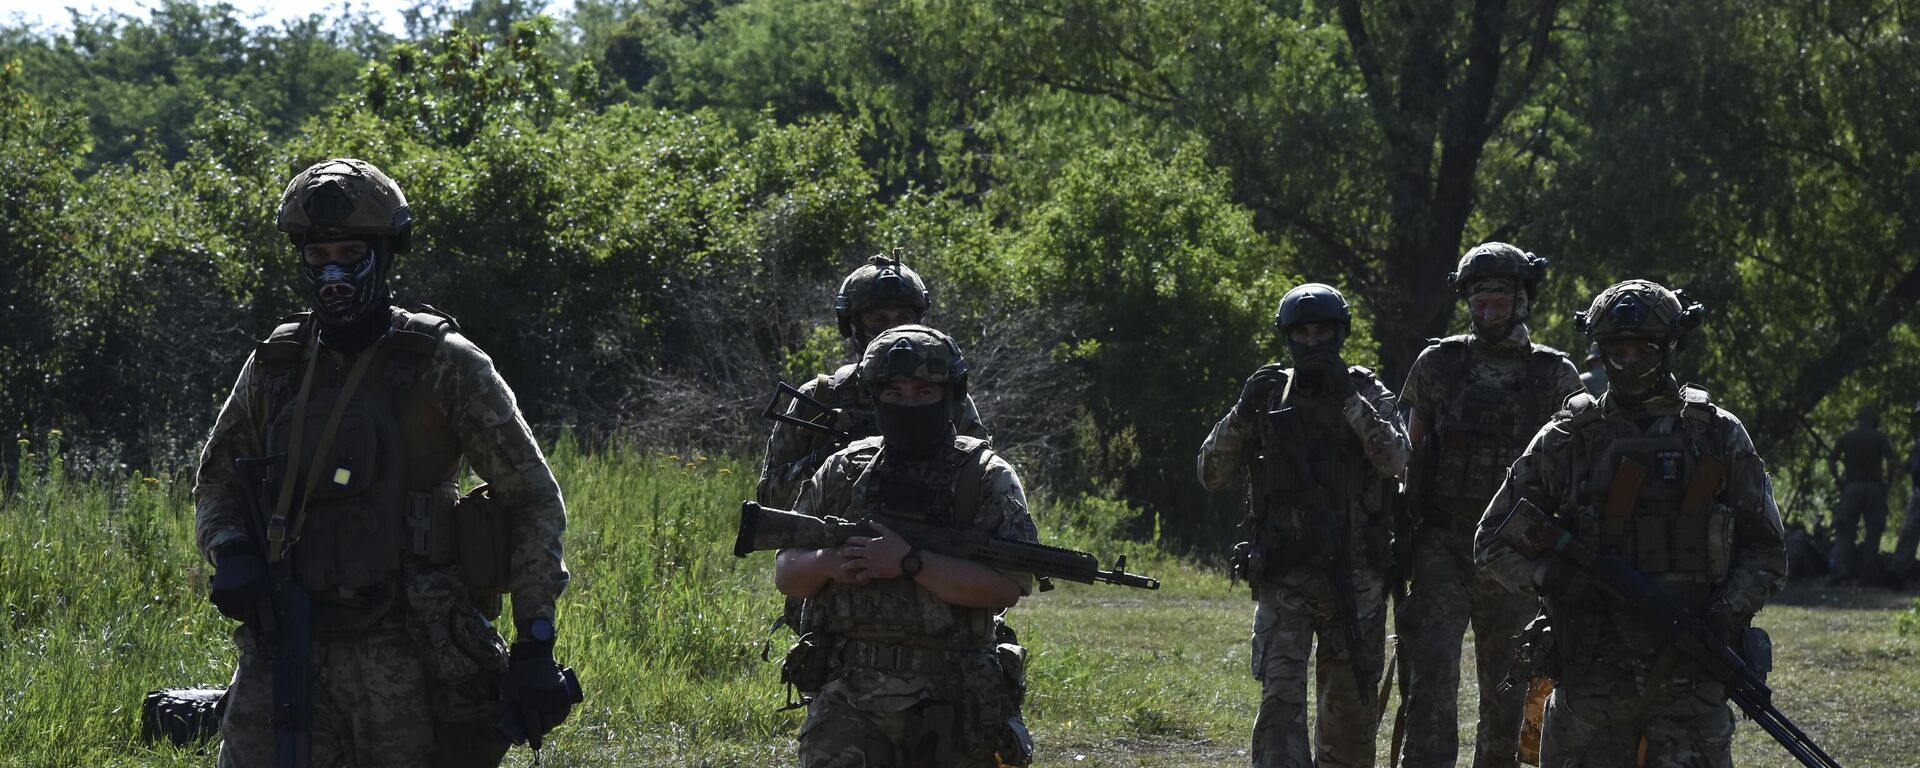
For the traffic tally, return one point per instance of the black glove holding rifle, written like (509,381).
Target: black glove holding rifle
(537,694)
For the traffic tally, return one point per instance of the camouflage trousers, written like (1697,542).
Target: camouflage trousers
(1447,595)
(372,706)
(1599,720)
(1292,611)
(874,719)
(1860,502)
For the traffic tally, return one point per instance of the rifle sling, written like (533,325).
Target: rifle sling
(360,366)
(277,524)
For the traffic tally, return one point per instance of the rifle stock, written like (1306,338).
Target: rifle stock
(765,529)
(784,392)
(1534,534)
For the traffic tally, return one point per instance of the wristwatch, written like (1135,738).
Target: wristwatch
(910,562)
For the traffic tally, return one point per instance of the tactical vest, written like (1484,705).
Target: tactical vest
(1649,493)
(1482,428)
(1280,515)
(942,491)
(387,478)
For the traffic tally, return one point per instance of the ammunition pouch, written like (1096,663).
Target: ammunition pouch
(1756,649)
(344,612)
(809,663)
(464,655)
(483,540)
(183,716)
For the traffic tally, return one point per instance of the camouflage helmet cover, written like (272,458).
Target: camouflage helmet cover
(913,353)
(1498,260)
(342,198)
(1639,309)
(881,282)
(1313,303)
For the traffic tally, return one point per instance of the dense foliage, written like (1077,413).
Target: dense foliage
(640,208)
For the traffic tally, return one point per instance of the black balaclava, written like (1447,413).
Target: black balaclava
(349,299)
(1306,355)
(1644,379)
(914,431)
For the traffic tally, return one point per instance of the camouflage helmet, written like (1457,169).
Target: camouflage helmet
(1494,259)
(1639,309)
(881,282)
(1313,303)
(914,353)
(343,198)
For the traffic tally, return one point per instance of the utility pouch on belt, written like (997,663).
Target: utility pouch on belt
(1756,648)
(1015,745)
(465,656)
(809,663)
(483,537)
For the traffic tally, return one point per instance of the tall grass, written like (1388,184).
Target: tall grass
(103,599)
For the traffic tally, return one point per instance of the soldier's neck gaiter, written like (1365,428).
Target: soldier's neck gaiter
(356,335)
(914,430)
(342,293)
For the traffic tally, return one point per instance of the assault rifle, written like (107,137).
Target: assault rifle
(1534,534)
(1331,533)
(283,623)
(764,529)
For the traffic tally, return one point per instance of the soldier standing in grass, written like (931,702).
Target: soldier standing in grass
(1323,446)
(900,651)
(1473,402)
(361,414)
(1862,460)
(881,294)
(1658,475)
(1903,566)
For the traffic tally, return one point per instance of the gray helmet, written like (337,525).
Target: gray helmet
(881,282)
(343,198)
(1313,303)
(1593,354)
(1494,259)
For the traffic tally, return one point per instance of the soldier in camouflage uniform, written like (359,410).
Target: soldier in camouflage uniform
(1322,445)
(1903,565)
(370,410)
(911,672)
(1473,401)
(1658,475)
(881,294)
(1862,460)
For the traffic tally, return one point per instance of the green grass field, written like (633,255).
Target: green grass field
(102,599)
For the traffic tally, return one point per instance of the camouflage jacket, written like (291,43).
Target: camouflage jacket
(1001,506)
(794,453)
(1482,402)
(472,408)
(1556,473)
(1240,440)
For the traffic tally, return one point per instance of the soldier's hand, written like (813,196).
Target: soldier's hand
(877,557)
(537,694)
(240,582)
(840,567)
(1554,577)
(1260,385)
(1326,375)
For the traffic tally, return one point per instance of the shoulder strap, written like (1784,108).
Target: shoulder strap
(411,345)
(973,471)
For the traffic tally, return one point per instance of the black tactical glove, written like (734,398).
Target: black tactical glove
(1260,385)
(1562,581)
(1326,376)
(537,695)
(240,582)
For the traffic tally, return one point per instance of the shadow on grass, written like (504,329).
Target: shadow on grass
(1845,597)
